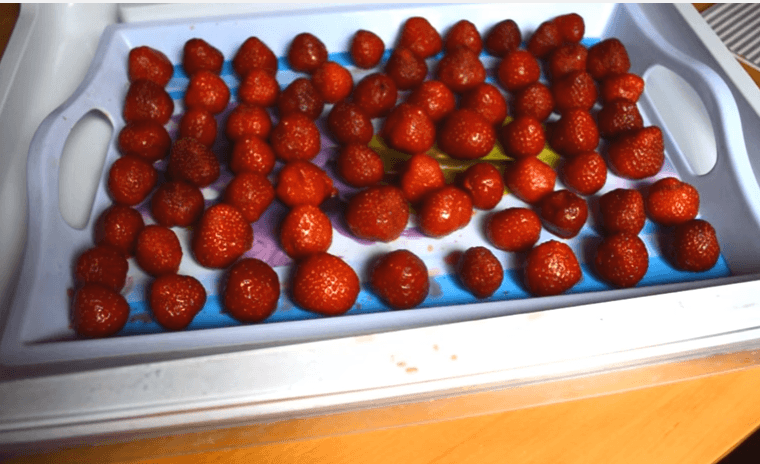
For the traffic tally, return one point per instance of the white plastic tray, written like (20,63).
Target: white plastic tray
(38,327)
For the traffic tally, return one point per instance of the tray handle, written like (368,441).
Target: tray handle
(731,186)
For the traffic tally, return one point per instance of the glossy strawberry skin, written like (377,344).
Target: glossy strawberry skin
(251,193)
(529,179)
(254,53)
(637,154)
(306,230)
(325,284)
(295,137)
(571,27)
(480,272)
(503,37)
(177,203)
(622,210)
(406,69)
(514,229)
(301,182)
(147,101)
(486,100)
(222,236)
(461,70)
(585,174)
(400,279)
(575,132)
(567,58)
(563,213)
(247,120)
(208,91)
(463,33)
(199,124)
(535,100)
(158,250)
(545,39)
(252,154)
(523,137)
(435,98)
(117,227)
(551,268)
(617,117)
(199,55)
(575,89)
(193,162)
(259,88)
(151,64)
(420,175)
(378,213)
(332,81)
(348,123)
(421,37)
(670,202)
(445,211)
(466,135)
(101,265)
(409,129)
(175,300)
(485,185)
(130,180)
(98,311)
(518,69)
(606,58)
(376,94)
(148,140)
(367,49)
(625,86)
(251,291)
(359,165)
(622,260)
(300,96)
(306,52)
(695,246)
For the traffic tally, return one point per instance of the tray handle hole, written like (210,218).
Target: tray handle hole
(81,168)
(685,117)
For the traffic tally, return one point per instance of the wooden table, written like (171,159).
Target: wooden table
(676,421)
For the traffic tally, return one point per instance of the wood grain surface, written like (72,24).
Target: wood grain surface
(691,421)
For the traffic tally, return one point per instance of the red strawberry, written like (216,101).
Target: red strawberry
(175,300)
(199,55)
(130,180)
(480,272)
(545,39)
(637,154)
(564,213)
(567,58)
(148,140)
(408,129)
(622,210)
(514,229)
(193,162)
(199,124)
(148,63)
(484,184)
(406,69)
(118,227)
(252,193)
(378,213)
(618,116)
(306,52)
(518,69)
(529,179)
(208,91)
(504,37)
(158,250)
(101,265)
(147,101)
(486,100)
(300,96)
(99,311)
(360,165)
(575,89)
(421,174)
(571,27)
(467,135)
(301,182)
(695,246)
(177,203)
(622,259)
(671,202)
(434,98)
(325,284)
(400,278)
(348,123)
(575,132)
(606,58)
(251,291)
(254,54)
(296,137)
(463,33)
(222,236)
(259,88)
(420,36)
(624,86)
(551,268)
(246,120)
(306,230)
(461,70)
(585,173)
(522,137)
(444,211)
(252,154)
(534,100)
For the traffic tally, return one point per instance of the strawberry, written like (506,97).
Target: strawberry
(400,278)
(101,265)
(151,64)
(545,39)
(484,184)
(378,213)
(637,154)
(695,246)
(513,229)
(606,58)
(518,69)
(148,140)
(199,124)
(522,137)
(622,259)
(671,202)
(567,58)
(252,154)
(199,55)
(251,193)
(259,88)
(529,179)
(551,268)
(175,300)
(208,91)
(193,162)
(158,250)
(420,175)
(618,116)
(325,284)
(445,211)
(463,33)
(406,69)
(503,37)
(130,180)
(306,52)
(306,230)
(575,132)
(585,174)
(376,94)
(480,272)
(360,165)
(571,27)
(254,53)
(222,236)
(563,213)
(296,137)
(177,203)
(301,182)
(434,98)
(348,123)
(332,81)
(246,120)
(461,70)
(622,210)
(624,86)
(466,135)
(408,129)
(367,49)
(98,311)
(418,35)
(575,89)
(300,96)
(534,100)
(117,227)
(147,101)
(486,100)
(251,291)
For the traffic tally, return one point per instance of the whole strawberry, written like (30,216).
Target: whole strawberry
(575,132)
(222,236)
(637,154)
(175,300)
